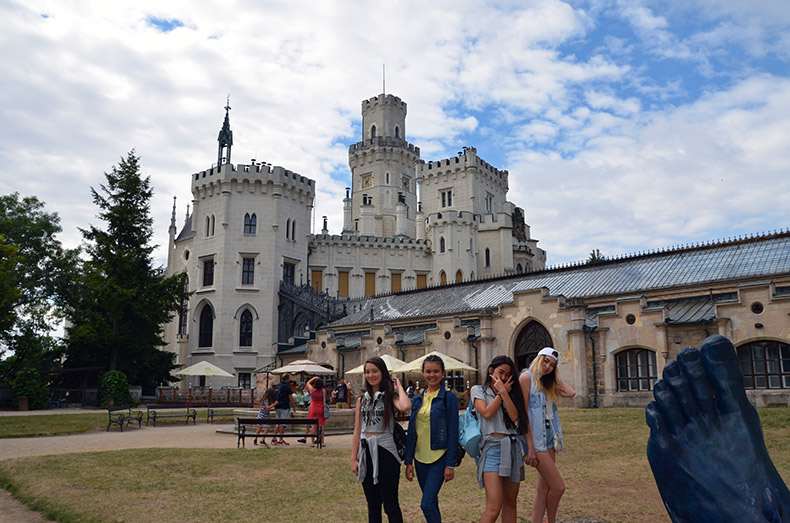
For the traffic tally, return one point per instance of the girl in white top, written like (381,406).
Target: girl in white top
(374,457)
(502,418)
(541,387)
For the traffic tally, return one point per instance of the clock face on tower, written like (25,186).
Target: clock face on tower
(367,181)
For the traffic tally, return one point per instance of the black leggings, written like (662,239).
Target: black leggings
(386,491)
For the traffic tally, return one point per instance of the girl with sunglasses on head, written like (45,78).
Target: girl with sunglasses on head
(541,387)
(432,438)
(374,456)
(500,408)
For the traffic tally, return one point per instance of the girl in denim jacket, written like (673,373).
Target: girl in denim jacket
(432,439)
(541,387)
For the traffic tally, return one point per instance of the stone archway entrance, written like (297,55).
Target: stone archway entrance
(531,339)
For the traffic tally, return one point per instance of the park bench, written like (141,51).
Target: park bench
(153,412)
(241,428)
(123,414)
(211,410)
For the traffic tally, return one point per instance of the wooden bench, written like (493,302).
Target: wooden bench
(123,414)
(211,412)
(152,412)
(241,428)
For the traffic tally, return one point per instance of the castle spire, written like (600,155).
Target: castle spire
(173,215)
(225,138)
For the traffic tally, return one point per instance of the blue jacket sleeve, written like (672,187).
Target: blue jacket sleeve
(411,435)
(452,430)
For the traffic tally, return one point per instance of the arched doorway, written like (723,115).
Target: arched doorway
(531,339)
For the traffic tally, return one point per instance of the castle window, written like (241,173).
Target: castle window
(293,230)
(488,257)
(447,198)
(406,183)
(765,365)
(208,226)
(636,370)
(397,132)
(247,271)
(288,229)
(245,329)
(370,284)
(459,277)
(245,380)
(342,284)
(206,326)
(213,221)
(288,273)
(372,132)
(443,278)
(441,244)
(250,223)
(208,273)
(489,202)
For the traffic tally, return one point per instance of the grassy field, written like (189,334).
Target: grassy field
(604,466)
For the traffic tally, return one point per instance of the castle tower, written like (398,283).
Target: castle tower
(383,170)
(225,139)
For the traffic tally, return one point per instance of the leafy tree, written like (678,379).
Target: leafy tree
(595,256)
(34,272)
(121,301)
(27,382)
(115,384)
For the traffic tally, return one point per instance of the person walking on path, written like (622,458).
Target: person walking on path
(267,404)
(432,438)
(541,387)
(283,395)
(500,408)
(374,456)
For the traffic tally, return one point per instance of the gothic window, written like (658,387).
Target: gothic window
(397,132)
(245,329)
(488,257)
(387,178)
(288,229)
(206,326)
(372,132)
(459,277)
(441,244)
(250,222)
(519,269)
(531,339)
(443,278)
(208,273)
(208,226)
(247,271)
(765,365)
(293,230)
(636,370)
(213,221)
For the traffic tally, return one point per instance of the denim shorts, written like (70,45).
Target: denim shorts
(493,458)
(549,440)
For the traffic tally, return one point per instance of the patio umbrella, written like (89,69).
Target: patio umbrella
(393,365)
(306,366)
(203,368)
(449,364)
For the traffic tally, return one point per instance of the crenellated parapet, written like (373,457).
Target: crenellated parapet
(255,177)
(383,141)
(464,161)
(350,240)
(452,218)
(384,100)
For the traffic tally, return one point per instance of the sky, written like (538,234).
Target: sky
(626,126)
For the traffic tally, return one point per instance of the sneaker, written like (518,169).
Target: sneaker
(275,443)
(284,443)
(302,440)
(255,442)
(264,445)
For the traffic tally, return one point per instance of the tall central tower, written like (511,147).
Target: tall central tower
(384,189)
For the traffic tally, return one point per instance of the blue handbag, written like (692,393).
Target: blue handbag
(469,433)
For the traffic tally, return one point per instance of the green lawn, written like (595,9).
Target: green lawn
(604,466)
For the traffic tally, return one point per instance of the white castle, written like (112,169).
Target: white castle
(407,224)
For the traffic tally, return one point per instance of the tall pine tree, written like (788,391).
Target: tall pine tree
(122,302)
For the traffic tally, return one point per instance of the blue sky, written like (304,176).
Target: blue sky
(625,126)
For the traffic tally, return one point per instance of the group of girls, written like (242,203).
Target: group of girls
(519,423)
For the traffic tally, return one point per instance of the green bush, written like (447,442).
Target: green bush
(28,383)
(114,383)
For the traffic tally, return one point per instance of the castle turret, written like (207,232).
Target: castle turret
(348,227)
(225,138)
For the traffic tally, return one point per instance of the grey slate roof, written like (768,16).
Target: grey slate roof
(743,259)
(186,230)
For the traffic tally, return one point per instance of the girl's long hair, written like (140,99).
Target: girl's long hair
(267,394)
(386,387)
(548,384)
(515,393)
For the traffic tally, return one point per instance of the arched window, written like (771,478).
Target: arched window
(245,329)
(488,257)
(636,370)
(531,339)
(206,326)
(372,131)
(208,226)
(441,244)
(397,132)
(288,229)
(250,223)
(213,220)
(442,278)
(459,277)
(765,365)
(519,270)
(293,230)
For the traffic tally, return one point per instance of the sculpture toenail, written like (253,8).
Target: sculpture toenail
(672,370)
(689,354)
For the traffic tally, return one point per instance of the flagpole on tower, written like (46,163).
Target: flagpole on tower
(383,78)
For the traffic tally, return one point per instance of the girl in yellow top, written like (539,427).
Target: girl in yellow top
(432,438)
